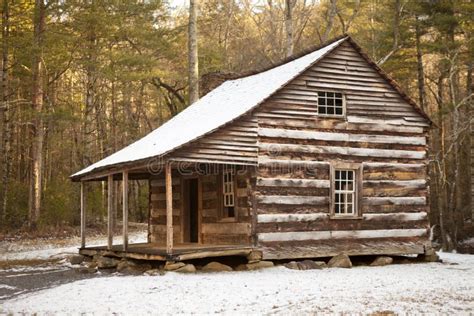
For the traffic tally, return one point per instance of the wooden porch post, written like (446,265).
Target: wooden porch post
(169,209)
(83,216)
(110,205)
(125,209)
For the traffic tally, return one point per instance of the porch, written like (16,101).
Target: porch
(188,218)
(157,251)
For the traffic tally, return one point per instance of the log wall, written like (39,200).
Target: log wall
(296,148)
(235,143)
(213,229)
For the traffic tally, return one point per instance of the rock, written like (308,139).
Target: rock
(216,267)
(254,256)
(292,265)
(107,263)
(431,255)
(173,266)
(306,265)
(187,268)
(92,265)
(122,265)
(340,261)
(76,259)
(310,265)
(255,266)
(86,270)
(154,272)
(321,264)
(382,261)
(130,267)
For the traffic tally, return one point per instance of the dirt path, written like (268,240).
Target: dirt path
(20,280)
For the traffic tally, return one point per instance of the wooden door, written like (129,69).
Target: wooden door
(191,210)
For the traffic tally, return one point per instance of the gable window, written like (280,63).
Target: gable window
(346,186)
(330,103)
(228,210)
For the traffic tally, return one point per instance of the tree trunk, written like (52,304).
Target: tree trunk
(332,11)
(289,26)
(5,137)
(89,126)
(419,62)
(37,132)
(193,53)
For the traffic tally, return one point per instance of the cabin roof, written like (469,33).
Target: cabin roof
(224,104)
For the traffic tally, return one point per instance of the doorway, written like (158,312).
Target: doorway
(191,210)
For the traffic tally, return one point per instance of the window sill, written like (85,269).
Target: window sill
(332,116)
(346,217)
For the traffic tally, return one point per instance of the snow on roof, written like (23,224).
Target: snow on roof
(225,103)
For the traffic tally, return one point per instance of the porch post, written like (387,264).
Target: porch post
(169,209)
(83,216)
(125,209)
(110,205)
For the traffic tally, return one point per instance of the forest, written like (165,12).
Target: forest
(80,79)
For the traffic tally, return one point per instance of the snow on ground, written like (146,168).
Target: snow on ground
(406,288)
(51,249)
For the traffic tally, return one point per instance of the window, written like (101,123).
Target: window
(330,103)
(228,210)
(346,188)
(344,192)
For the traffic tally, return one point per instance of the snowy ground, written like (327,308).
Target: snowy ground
(409,288)
(49,249)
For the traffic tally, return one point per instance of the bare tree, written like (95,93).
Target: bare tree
(37,129)
(346,25)
(332,11)
(289,4)
(193,52)
(396,33)
(5,136)
(419,62)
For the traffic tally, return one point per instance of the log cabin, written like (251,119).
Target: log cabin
(318,155)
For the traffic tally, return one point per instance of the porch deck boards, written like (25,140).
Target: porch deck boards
(157,251)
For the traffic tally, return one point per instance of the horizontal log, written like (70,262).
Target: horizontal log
(341,234)
(418,183)
(161,182)
(391,166)
(339,224)
(226,228)
(343,137)
(415,200)
(326,123)
(347,151)
(361,119)
(304,183)
(397,216)
(329,248)
(268,160)
(278,218)
(293,200)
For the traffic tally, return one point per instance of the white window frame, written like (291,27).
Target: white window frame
(356,191)
(228,193)
(343,102)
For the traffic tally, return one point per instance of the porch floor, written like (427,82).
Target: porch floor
(157,251)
